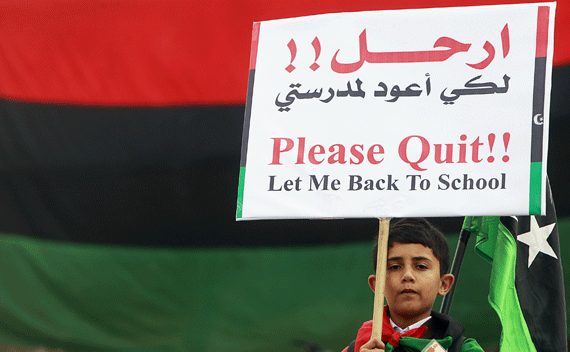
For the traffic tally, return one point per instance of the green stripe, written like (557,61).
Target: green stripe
(535,191)
(121,299)
(240,192)
(503,295)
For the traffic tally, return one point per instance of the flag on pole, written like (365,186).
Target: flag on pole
(527,285)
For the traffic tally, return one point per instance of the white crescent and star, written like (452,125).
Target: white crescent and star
(536,240)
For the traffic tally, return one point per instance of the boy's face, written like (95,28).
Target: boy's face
(413,281)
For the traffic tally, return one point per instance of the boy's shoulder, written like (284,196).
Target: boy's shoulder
(443,326)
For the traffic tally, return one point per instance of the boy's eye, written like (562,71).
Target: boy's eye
(421,266)
(393,266)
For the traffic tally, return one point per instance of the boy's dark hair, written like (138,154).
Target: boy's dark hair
(418,230)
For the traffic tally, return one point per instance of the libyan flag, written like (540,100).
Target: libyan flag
(527,285)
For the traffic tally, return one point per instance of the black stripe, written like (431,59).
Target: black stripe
(167,177)
(560,92)
(247,117)
(538,109)
(145,177)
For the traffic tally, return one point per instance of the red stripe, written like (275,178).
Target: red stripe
(542,31)
(158,52)
(254,41)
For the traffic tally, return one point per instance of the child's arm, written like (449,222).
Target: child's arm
(471,345)
(373,345)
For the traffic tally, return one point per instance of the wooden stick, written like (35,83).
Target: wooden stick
(381,259)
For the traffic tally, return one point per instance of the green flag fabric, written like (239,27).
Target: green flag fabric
(526,286)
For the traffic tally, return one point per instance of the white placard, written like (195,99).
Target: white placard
(432,112)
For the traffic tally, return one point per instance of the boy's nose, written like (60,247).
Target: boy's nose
(407,276)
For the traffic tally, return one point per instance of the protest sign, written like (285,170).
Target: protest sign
(432,112)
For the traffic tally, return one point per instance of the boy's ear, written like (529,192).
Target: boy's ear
(445,283)
(372,282)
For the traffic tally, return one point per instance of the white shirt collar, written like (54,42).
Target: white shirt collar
(413,326)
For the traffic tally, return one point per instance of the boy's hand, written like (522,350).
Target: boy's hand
(373,345)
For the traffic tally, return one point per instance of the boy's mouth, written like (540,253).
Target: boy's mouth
(407,290)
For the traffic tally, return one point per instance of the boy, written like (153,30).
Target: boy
(416,272)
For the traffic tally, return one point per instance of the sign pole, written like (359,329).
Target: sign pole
(455,268)
(381,259)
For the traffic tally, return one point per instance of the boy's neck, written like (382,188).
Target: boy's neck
(403,322)
(411,326)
